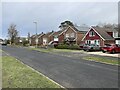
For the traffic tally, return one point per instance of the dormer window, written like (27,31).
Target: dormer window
(91,33)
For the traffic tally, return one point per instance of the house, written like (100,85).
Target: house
(1,41)
(32,40)
(116,35)
(59,36)
(99,36)
(74,34)
(47,38)
(40,39)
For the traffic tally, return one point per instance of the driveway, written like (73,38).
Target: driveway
(67,71)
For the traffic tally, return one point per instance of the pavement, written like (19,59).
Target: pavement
(104,54)
(68,72)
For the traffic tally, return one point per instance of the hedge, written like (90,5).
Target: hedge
(64,46)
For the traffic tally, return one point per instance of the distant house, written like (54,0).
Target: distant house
(47,38)
(74,34)
(32,40)
(116,35)
(59,36)
(99,36)
(1,41)
(40,39)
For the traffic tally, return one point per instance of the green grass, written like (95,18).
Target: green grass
(52,50)
(63,50)
(102,60)
(41,50)
(18,75)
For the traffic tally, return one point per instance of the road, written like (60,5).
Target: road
(69,72)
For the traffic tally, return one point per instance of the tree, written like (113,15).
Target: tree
(12,33)
(66,24)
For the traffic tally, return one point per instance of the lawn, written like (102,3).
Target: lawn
(53,50)
(102,60)
(18,75)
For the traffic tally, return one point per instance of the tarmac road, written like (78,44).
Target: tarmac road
(69,72)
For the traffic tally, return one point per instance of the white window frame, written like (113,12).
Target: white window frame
(91,33)
(97,42)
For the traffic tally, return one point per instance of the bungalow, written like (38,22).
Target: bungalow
(74,34)
(47,38)
(99,36)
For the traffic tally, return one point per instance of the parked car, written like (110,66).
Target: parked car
(4,43)
(81,46)
(111,48)
(91,47)
(53,44)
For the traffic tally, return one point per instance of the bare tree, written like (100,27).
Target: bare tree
(12,33)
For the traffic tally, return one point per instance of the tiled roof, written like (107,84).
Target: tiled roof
(80,29)
(58,32)
(40,35)
(48,34)
(103,32)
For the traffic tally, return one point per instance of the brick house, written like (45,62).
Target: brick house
(40,39)
(32,40)
(47,38)
(74,34)
(59,36)
(116,35)
(99,36)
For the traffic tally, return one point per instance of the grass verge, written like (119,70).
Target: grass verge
(18,75)
(102,60)
(53,50)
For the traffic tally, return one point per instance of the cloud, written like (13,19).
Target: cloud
(49,15)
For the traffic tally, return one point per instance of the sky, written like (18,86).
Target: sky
(49,15)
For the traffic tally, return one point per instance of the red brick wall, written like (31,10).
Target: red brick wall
(109,42)
(40,40)
(79,38)
(61,38)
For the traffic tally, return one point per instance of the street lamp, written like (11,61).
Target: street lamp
(36,33)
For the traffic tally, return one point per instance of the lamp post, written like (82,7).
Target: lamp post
(36,34)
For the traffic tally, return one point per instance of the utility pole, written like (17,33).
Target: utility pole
(36,34)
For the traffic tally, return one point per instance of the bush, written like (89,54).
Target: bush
(64,46)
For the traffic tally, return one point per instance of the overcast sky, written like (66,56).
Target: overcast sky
(49,15)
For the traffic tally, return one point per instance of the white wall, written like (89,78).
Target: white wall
(117,41)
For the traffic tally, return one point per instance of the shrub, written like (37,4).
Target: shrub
(64,46)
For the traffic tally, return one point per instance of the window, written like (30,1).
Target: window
(55,36)
(72,35)
(115,34)
(88,42)
(97,42)
(67,35)
(91,33)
